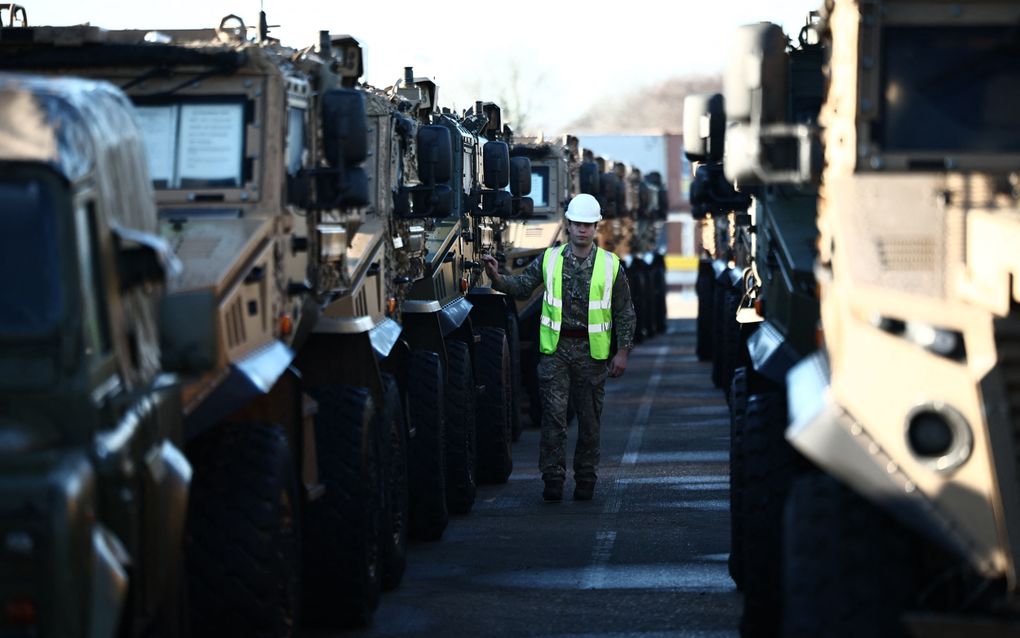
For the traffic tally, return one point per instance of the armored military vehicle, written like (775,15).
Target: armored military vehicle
(909,412)
(765,309)
(298,435)
(93,480)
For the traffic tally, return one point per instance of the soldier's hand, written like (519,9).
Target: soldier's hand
(619,363)
(491,267)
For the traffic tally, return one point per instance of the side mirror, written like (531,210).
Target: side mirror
(608,190)
(496,164)
(704,127)
(434,202)
(188,332)
(344,127)
(757,75)
(520,176)
(589,174)
(662,205)
(524,208)
(497,204)
(348,188)
(773,154)
(435,154)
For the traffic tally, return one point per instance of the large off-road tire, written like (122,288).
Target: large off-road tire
(850,569)
(738,412)
(705,288)
(769,465)
(393,549)
(494,429)
(344,527)
(460,429)
(660,314)
(732,343)
(243,542)
(427,454)
(513,340)
(719,321)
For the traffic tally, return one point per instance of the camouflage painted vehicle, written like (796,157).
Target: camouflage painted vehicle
(93,480)
(298,436)
(910,411)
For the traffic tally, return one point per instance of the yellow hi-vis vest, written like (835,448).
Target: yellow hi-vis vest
(600,301)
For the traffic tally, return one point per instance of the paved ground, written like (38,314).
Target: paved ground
(645,558)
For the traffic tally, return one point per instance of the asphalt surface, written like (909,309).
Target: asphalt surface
(645,558)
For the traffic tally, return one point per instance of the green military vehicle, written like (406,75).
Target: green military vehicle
(93,480)
(298,435)
(912,520)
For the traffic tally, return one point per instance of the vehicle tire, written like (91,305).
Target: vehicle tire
(738,412)
(661,319)
(850,569)
(243,542)
(494,429)
(460,428)
(769,466)
(513,340)
(427,454)
(344,527)
(719,320)
(393,551)
(705,288)
(731,338)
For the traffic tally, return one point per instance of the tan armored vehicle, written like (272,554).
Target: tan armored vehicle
(298,436)
(913,403)
(93,481)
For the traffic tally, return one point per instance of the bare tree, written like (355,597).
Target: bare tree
(655,108)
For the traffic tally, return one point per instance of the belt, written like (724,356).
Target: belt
(574,333)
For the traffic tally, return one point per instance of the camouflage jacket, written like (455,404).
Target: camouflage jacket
(576,286)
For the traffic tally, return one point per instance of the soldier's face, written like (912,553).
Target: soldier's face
(581,234)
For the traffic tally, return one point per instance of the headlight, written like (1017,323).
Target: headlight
(939,436)
(628,260)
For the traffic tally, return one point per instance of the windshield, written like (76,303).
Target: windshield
(194,145)
(951,89)
(540,186)
(30,284)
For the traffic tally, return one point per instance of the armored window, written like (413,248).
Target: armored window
(950,89)
(295,139)
(31,294)
(540,186)
(194,145)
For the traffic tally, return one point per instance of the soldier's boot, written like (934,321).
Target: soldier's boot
(553,492)
(584,489)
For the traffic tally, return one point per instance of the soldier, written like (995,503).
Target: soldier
(586,296)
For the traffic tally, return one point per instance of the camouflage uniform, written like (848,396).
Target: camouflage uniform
(570,373)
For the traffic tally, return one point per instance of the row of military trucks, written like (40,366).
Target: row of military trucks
(858,190)
(247,349)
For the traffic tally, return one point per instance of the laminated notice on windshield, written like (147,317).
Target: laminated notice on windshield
(159,127)
(211,143)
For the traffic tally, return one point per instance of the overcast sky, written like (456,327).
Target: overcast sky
(569,54)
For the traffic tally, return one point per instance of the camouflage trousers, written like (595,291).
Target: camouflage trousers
(566,377)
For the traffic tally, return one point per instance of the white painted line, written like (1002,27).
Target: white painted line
(638,429)
(595,576)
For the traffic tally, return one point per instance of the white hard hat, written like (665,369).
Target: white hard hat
(584,208)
